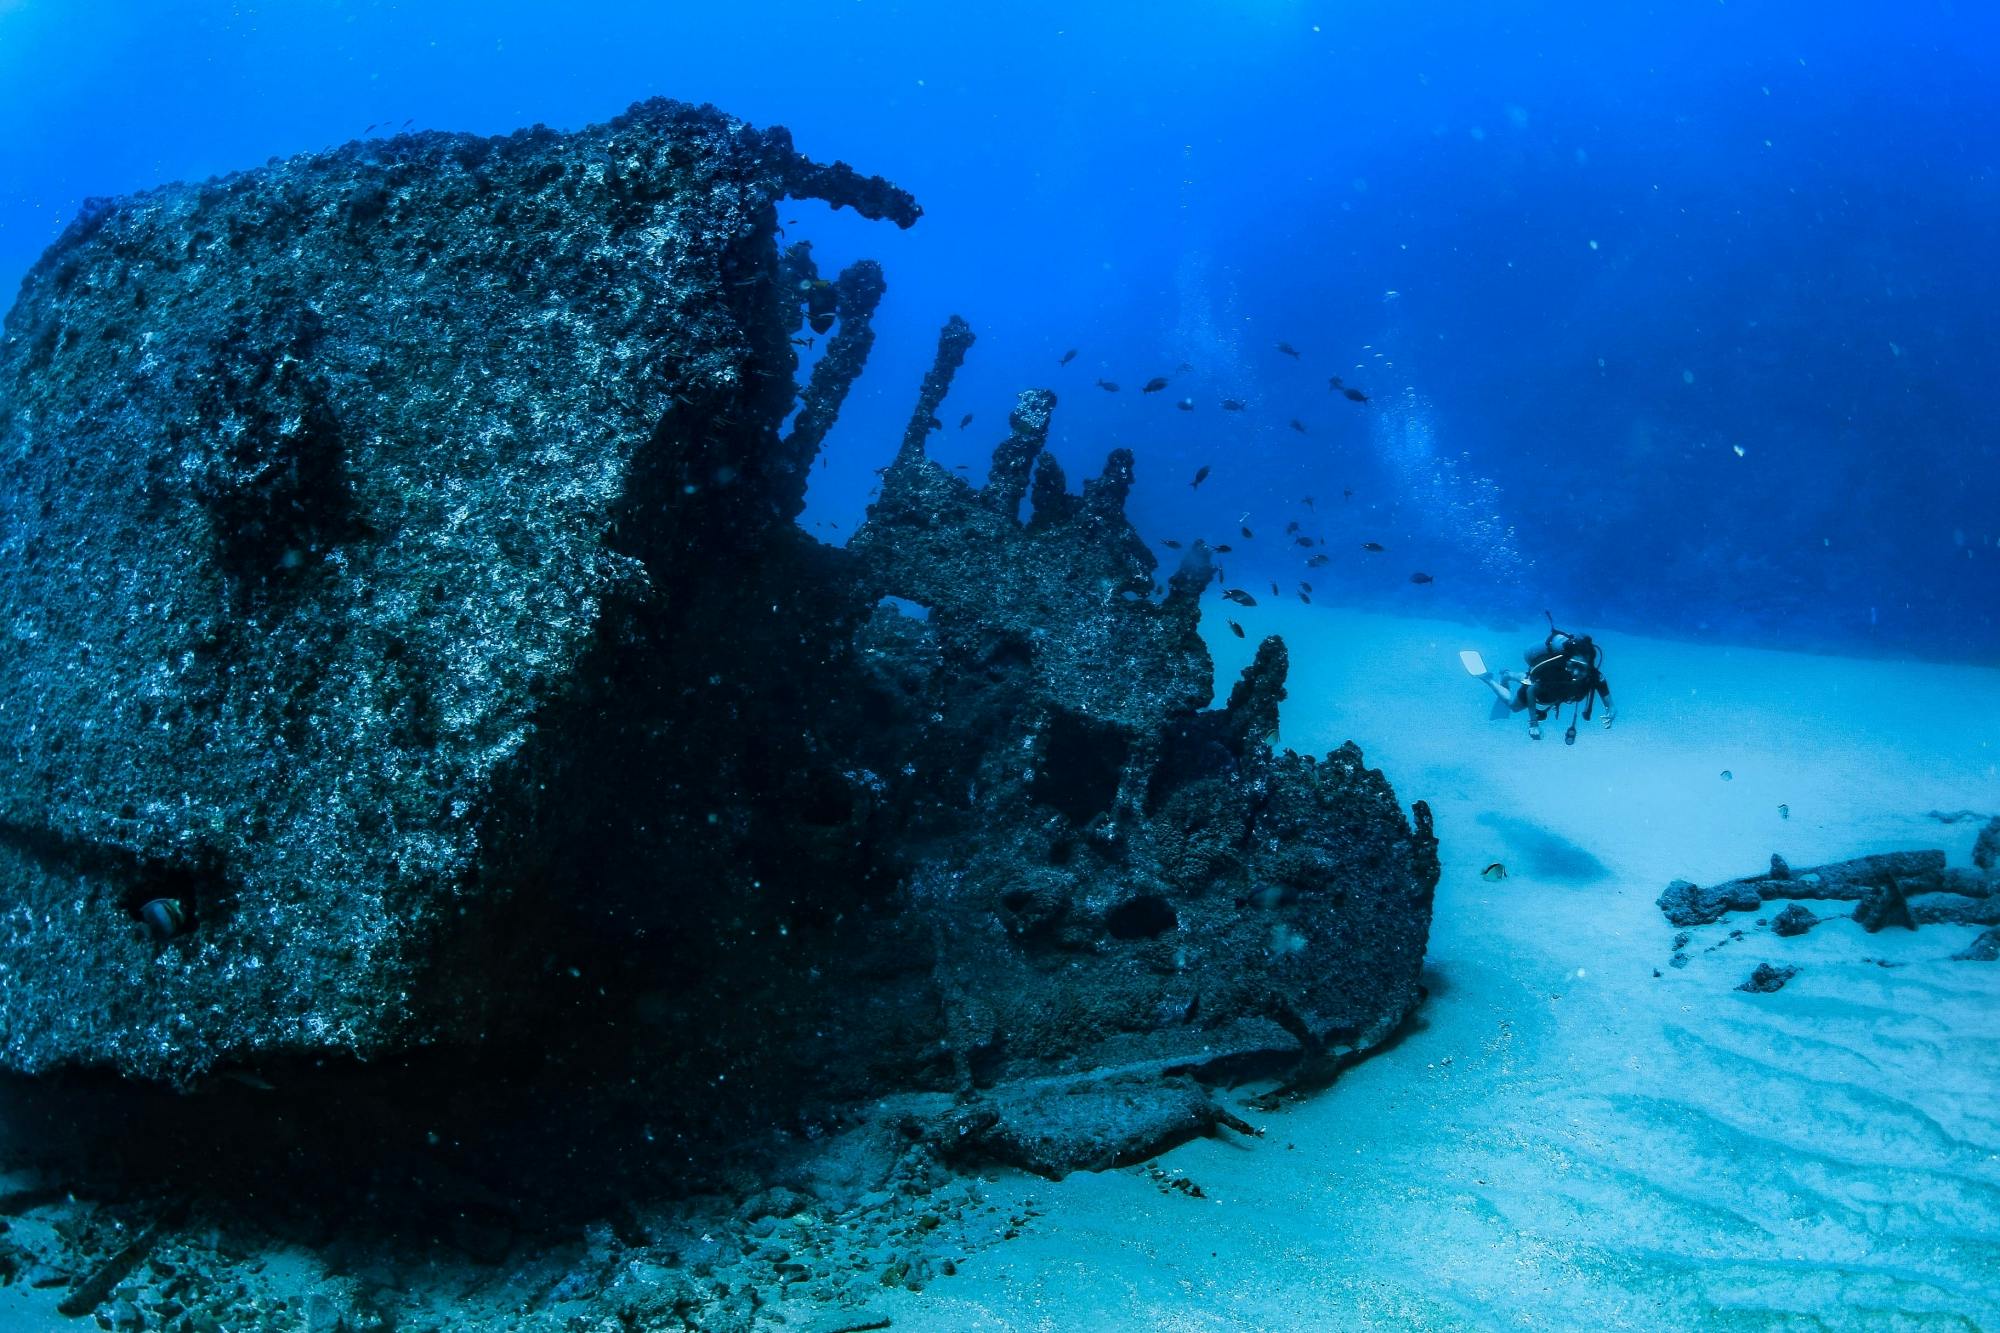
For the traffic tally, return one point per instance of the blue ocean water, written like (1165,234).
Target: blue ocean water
(1676,318)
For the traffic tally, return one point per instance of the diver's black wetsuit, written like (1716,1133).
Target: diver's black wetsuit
(1566,669)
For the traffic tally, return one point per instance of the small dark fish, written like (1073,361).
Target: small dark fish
(1354,395)
(1494,873)
(1346,494)
(936,424)
(1067,357)
(1291,527)
(1248,535)
(370,129)
(244,1078)
(164,917)
(1218,575)
(1200,475)
(1298,425)
(1155,384)
(965,421)
(1185,404)
(1109,386)
(1183,368)
(1235,629)
(1171,544)
(1289,350)
(1304,586)
(803,342)
(961,467)
(1274,587)
(1307,501)
(791,222)
(1318,561)
(1225,550)
(406,124)
(1302,541)
(1240,597)
(1421,577)
(1232,404)
(1373,546)
(1304,598)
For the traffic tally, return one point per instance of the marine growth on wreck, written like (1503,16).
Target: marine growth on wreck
(421,694)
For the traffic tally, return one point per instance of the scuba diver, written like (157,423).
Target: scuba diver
(1565,669)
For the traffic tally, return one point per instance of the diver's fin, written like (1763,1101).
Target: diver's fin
(1499,712)
(1475,665)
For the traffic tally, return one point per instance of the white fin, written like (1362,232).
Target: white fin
(1475,665)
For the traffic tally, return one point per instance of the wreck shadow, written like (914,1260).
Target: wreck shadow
(1544,854)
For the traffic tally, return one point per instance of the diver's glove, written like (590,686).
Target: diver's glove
(1609,713)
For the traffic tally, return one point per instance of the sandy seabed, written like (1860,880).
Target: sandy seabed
(1576,1135)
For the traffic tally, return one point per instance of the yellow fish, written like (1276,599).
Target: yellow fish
(1495,872)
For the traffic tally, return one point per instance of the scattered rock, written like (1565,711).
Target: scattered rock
(777,1201)
(1768,978)
(1954,909)
(1986,849)
(1091,1123)
(1687,904)
(327,1312)
(1172,1182)
(97,1286)
(1970,882)
(1985,949)
(1794,920)
(1883,906)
